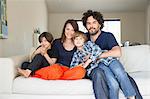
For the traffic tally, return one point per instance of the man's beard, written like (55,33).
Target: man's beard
(94,32)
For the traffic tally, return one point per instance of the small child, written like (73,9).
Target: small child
(42,57)
(88,54)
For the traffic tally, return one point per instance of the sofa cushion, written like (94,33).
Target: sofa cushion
(31,85)
(143,80)
(39,86)
(136,58)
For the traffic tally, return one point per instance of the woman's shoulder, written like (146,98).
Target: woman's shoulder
(57,44)
(57,41)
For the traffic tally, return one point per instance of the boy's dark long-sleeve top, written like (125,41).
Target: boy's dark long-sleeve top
(93,51)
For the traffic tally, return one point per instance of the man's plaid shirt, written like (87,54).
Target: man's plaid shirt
(92,51)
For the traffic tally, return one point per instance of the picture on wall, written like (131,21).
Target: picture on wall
(3,20)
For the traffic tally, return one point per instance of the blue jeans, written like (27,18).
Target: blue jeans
(116,75)
(99,83)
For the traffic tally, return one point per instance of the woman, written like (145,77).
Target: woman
(65,48)
(64,45)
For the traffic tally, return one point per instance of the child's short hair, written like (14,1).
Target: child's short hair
(47,35)
(80,34)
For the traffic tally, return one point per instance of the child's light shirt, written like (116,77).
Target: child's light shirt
(90,51)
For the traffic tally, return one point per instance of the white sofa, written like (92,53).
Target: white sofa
(136,60)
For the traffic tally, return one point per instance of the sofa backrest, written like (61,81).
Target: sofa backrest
(136,58)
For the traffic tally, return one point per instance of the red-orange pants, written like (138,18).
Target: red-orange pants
(59,72)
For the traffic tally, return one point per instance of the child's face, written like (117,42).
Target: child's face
(79,41)
(44,43)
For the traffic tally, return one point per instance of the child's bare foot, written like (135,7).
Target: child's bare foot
(25,73)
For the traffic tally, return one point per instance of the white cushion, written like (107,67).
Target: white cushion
(40,86)
(136,58)
(68,87)
(143,80)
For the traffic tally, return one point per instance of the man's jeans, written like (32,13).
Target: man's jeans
(116,75)
(99,83)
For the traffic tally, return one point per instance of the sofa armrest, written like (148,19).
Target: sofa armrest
(8,71)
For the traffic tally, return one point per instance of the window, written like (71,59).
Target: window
(81,27)
(113,26)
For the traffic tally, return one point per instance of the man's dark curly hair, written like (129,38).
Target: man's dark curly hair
(96,15)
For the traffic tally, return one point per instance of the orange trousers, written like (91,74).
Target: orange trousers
(59,72)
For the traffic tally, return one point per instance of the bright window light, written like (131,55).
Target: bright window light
(113,26)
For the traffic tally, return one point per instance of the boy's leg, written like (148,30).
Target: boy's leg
(38,62)
(120,74)
(22,70)
(25,65)
(77,72)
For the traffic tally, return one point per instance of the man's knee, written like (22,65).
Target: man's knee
(114,86)
(97,73)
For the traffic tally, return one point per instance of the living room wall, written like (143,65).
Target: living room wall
(148,23)
(23,17)
(132,24)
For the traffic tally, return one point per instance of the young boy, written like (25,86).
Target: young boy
(43,56)
(88,54)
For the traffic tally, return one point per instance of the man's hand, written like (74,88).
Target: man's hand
(114,52)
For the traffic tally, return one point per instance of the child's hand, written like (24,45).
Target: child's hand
(38,51)
(87,63)
(86,57)
(81,65)
(43,50)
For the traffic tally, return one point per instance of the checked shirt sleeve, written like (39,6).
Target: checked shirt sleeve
(75,60)
(95,51)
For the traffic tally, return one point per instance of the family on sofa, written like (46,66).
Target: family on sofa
(68,58)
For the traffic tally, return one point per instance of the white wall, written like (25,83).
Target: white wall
(133,24)
(148,23)
(57,20)
(23,17)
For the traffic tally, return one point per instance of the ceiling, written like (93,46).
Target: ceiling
(77,6)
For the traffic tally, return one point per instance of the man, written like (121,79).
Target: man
(93,21)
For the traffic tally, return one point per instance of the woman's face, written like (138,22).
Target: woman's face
(44,43)
(69,31)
